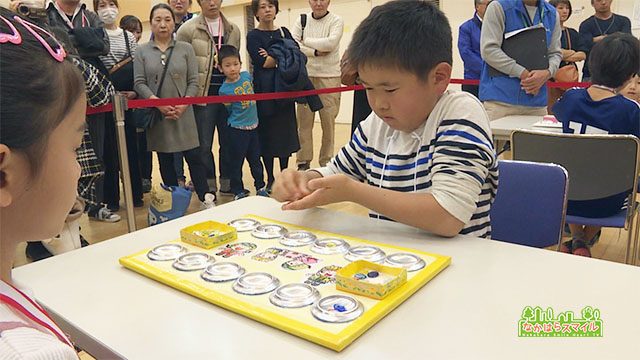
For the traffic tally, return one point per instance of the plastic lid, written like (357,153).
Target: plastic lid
(166,252)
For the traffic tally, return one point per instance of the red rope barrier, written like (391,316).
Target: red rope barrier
(137,104)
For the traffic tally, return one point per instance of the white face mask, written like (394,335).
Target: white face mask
(108,15)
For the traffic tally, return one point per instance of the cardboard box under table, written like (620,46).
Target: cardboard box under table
(290,265)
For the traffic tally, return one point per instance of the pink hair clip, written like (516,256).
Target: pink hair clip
(58,54)
(14,38)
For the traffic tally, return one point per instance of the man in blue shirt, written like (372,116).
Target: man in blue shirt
(518,90)
(469,46)
(604,22)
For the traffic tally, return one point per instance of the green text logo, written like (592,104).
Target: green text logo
(536,322)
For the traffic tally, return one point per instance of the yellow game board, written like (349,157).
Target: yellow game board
(300,321)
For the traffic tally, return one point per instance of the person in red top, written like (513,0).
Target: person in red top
(42,107)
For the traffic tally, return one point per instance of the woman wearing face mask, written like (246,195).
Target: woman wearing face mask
(119,62)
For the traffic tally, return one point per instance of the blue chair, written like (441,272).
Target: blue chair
(599,166)
(530,204)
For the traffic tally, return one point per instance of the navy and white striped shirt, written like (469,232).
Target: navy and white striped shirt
(451,156)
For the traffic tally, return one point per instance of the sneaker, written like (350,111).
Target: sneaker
(241,195)
(104,214)
(263,192)
(209,201)
(146,186)
(304,166)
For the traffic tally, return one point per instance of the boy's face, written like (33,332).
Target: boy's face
(401,99)
(231,67)
(632,90)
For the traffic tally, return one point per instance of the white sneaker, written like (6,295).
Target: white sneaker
(104,214)
(209,201)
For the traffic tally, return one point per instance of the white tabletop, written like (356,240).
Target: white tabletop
(503,127)
(469,311)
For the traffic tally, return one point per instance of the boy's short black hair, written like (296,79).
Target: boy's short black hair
(227,51)
(614,60)
(413,36)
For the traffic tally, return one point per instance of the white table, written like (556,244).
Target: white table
(469,311)
(503,127)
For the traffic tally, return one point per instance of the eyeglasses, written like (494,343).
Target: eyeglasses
(163,59)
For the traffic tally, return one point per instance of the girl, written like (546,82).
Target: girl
(42,107)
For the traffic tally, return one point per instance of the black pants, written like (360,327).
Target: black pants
(244,144)
(472,89)
(112,161)
(268,166)
(196,169)
(361,109)
(144,155)
(208,118)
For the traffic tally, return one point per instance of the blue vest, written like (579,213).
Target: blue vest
(507,89)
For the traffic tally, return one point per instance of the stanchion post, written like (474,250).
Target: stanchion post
(119,108)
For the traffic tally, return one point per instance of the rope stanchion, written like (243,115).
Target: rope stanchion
(138,104)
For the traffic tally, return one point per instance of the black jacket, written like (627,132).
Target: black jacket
(291,72)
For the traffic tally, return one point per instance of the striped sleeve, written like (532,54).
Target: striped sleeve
(463,166)
(351,159)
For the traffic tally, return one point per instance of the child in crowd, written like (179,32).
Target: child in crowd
(42,107)
(601,109)
(632,90)
(242,133)
(424,157)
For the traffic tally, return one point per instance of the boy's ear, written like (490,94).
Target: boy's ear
(5,186)
(442,75)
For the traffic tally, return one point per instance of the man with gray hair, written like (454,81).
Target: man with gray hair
(319,35)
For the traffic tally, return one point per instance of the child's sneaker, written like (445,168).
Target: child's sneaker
(263,192)
(209,201)
(104,214)
(241,195)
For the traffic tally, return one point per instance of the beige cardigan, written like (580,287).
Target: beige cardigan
(196,33)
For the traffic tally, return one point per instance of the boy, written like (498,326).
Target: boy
(242,134)
(424,157)
(600,109)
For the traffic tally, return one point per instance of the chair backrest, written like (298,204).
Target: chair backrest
(530,204)
(598,165)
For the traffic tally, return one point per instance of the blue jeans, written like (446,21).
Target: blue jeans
(244,144)
(178,163)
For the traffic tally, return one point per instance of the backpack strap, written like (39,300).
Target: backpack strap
(303,22)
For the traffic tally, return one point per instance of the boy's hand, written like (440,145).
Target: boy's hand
(326,190)
(291,185)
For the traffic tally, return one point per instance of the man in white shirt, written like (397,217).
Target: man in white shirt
(319,35)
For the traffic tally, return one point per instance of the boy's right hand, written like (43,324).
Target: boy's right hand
(292,185)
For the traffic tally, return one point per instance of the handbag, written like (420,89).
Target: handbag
(145,118)
(122,73)
(569,72)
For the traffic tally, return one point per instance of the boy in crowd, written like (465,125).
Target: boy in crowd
(242,134)
(601,109)
(424,157)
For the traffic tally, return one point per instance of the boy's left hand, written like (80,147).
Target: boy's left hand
(324,191)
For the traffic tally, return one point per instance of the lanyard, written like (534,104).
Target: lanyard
(219,44)
(527,21)
(27,307)
(85,21)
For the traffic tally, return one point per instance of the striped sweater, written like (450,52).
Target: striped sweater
(450,156)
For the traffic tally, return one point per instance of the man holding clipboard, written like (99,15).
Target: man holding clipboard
(520,44)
